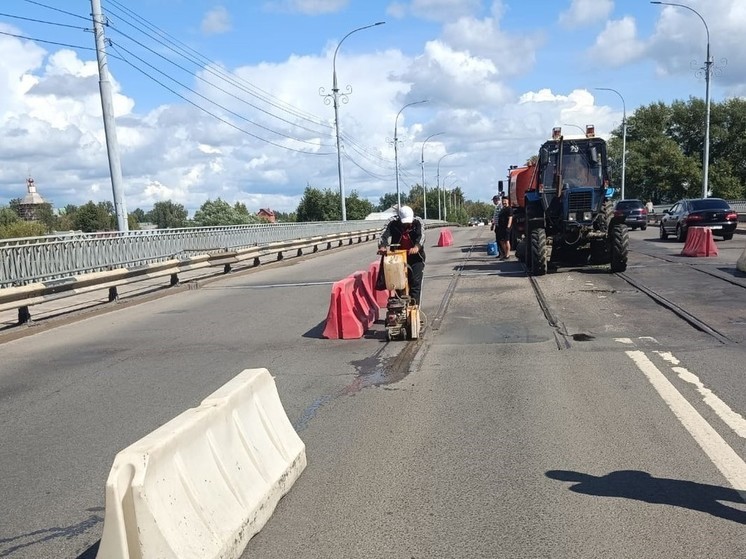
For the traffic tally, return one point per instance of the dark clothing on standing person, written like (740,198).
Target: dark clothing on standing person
(503,218)
(397,233)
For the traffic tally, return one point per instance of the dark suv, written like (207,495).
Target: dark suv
(634,212)
(713,213)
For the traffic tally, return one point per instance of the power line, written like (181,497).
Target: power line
(24,37)
(224,121)
(43,21)
(212,84)
(226,109)
(364,170)
(201,61)
(58,10)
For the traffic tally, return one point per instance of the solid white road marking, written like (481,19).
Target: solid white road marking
(627,341)
(730,464)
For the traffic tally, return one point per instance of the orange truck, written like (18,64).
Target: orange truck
(520,179)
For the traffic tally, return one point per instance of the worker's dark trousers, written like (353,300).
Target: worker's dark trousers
(415,271)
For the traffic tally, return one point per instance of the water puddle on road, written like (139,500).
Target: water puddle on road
(371,371)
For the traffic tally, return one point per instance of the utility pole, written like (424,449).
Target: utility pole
(334,97)
(110,131)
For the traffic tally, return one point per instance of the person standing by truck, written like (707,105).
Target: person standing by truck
(493,224)
(502,231)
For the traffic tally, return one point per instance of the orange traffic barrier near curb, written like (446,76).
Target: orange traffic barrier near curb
(446,238)
(699,242)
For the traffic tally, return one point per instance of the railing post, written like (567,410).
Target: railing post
(24,315)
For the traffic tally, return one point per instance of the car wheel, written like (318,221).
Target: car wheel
(663,234)
(643,228)
(633,228)
(680,234)
(728,237)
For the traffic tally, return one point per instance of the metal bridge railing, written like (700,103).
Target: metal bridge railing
(44,259)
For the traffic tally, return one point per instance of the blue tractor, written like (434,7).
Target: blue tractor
(568,210)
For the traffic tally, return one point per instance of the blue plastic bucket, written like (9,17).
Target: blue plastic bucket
(491,249)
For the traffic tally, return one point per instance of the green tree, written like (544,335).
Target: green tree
(45,215)
(168,214)
(15,205)
(357,208)
(20,229)
(388,200)
(132,223)
(8,216)
(665,147)
(93,217)
(318,205)
(139,215)
(220,212)
(286,217)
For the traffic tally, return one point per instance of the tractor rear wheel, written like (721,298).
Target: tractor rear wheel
(538,247)
(619,247)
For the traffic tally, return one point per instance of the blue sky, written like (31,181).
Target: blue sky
(237,112)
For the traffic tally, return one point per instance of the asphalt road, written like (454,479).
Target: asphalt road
(616,431)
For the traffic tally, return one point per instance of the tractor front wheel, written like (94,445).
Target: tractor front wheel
(619,247)
(538,265)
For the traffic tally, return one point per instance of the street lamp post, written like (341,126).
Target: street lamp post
(438,182)
(396,150)
(445,195)
(574,126)
(624,133)
(708,73)
(422,165)
(334,97)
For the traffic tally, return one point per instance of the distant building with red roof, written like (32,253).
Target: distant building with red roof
(267,214)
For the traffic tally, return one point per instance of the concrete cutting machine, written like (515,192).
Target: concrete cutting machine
(402,313)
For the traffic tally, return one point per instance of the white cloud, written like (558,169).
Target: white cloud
(678,44)
(617,44)
(308,7)
(586,12)
(474,74)
(216,21)
(444,10)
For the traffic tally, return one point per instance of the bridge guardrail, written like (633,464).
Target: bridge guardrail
(21,297)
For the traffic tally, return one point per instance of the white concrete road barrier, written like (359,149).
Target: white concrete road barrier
(207,481)
(741,264)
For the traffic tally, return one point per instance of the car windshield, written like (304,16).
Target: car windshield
(710,204)
(628,204)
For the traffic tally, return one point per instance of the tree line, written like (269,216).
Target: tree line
(665,144)
(665,147)
(315,205)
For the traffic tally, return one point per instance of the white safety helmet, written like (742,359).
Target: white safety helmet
(406,214)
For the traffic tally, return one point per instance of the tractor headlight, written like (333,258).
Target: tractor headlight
(571,217)
(587,216)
